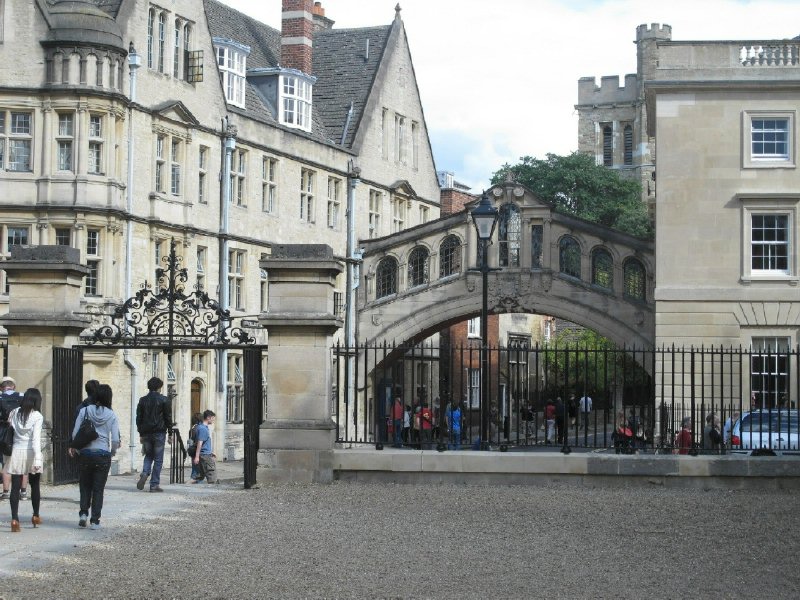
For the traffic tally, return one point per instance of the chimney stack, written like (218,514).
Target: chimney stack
(297,33)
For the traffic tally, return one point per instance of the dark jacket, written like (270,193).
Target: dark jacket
(153,414)
(9,402)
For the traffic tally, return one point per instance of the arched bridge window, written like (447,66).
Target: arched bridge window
(386,277)
(569,257)
(450,256)
(634,276)
(602,268)
(418,267)
(509,235)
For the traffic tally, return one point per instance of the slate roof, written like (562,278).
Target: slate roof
(343,74)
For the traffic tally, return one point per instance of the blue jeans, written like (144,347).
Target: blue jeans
(455,440)
(94,466)
(153,447)
(398,433)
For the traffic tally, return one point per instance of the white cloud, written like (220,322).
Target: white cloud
(499,79)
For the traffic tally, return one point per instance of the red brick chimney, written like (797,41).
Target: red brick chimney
(297,32)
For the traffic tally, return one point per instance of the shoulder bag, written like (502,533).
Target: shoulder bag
(86,432)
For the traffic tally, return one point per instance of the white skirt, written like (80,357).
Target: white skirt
(20,462)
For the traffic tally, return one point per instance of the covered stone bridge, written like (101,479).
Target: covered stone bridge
(419,280)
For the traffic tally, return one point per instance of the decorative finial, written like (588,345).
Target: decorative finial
(510,178)
(397,10)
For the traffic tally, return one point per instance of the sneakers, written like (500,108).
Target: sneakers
(82,520)
(156,489)
(142,480)
(94,526)
(4,495)
(23,494)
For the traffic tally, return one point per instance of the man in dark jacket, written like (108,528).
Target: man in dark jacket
(153,420)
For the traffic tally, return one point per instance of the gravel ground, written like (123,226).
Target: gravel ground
(351,540)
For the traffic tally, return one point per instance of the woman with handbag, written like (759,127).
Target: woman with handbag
(94,451)
(26,454)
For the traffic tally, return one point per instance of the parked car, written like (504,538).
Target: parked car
(777,430)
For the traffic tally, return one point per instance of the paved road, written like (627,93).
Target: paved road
(407,541)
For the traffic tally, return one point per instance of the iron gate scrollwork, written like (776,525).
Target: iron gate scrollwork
(168,317)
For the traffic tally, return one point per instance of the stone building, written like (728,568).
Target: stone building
(126,124)
(724,117)
(612,121)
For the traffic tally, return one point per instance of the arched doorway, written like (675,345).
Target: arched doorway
(197,396)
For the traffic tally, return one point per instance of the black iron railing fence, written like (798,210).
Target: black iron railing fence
(179,456)
(639,397)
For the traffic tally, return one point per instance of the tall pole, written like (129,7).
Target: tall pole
(484,349)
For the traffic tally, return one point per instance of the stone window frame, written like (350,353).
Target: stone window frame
(65,142)
(375,212)
(386,277)
(334,201)
(93,248)
(96,144)
(769,204)
(597,255)
(5,247)
(450,256)
(635,290)
(769,162)
(418,267)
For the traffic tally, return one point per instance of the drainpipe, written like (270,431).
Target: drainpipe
(351,283)
(229,145)
(134,62)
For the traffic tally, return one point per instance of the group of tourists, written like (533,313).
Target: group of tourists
(95,439)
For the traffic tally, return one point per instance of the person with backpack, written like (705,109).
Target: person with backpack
(191,447)
(204,456)
(453,416)
(95,458)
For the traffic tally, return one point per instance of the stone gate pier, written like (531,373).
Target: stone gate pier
(297,436)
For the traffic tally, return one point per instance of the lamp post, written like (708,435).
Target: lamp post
(484,217)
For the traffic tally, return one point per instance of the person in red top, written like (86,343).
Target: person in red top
(397,421)
(550,422)
(425,424)
(683,441)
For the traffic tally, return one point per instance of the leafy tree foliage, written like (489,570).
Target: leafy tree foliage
(585,361)
(576,185)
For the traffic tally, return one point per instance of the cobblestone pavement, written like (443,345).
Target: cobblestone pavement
(349,540)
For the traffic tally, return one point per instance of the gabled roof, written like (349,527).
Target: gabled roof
(345,72)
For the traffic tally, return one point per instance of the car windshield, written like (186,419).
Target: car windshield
(770,422)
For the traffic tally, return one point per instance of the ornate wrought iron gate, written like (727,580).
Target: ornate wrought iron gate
(67,395)
(166,317)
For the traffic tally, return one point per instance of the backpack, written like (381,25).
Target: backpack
(191,444)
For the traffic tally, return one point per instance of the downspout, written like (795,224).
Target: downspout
(134,62)
(353,257)
(229,145)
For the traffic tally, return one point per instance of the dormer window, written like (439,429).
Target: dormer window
(232,62)
(295,102)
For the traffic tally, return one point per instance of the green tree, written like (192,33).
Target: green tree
(576,185)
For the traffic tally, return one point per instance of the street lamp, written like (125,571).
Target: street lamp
(484,217)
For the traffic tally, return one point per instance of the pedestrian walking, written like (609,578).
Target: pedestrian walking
(153,420)
(561,419)
(397,420)
(94,459)
(204,455)
(26,455)
(10,399)
(197,418)
(728,428)
(585,404)
(712,434)
(549,421)
(684,440)
(453,416)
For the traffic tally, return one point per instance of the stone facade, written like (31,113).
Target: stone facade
(115,161)
(727,258)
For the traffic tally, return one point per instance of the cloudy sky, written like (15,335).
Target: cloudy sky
(498,78)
